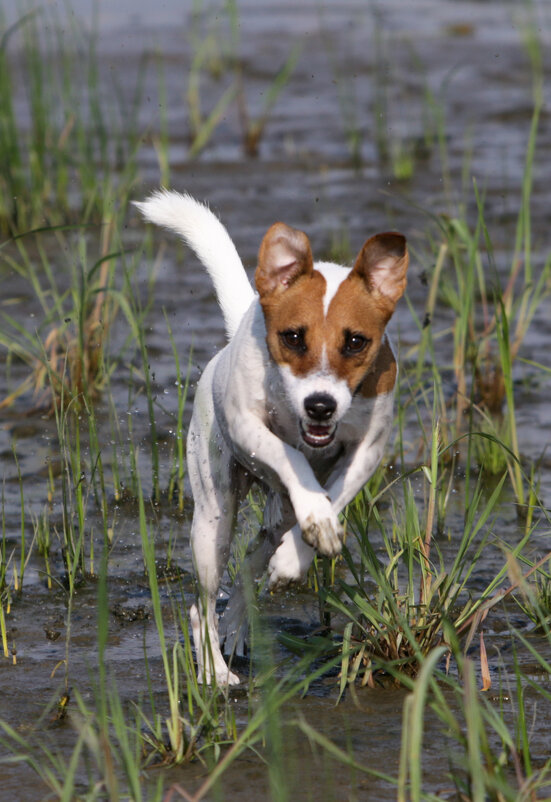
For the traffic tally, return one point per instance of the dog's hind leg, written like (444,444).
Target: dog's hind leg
(278,517)
(234,628)
(212,472)
(210,539)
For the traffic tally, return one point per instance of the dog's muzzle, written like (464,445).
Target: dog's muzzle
(318,429)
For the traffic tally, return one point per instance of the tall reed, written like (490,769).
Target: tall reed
(76,158)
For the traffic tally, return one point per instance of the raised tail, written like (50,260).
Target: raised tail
(205,234)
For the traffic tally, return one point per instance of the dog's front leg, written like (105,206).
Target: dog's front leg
(292,559)
(358,468)
(282,466)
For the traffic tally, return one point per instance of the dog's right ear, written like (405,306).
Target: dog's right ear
(284,256)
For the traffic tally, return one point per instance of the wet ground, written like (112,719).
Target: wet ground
(320,167)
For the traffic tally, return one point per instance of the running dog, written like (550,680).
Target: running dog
(300,400)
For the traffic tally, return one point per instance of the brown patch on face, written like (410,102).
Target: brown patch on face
(291,293)
(382,377)
(360,311)
(298,310)
(355,312)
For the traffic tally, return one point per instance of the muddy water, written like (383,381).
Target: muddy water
(361,65)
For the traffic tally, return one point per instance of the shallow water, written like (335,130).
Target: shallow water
(374,57)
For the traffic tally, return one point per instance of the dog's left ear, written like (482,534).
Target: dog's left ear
(382,263)
(284,256)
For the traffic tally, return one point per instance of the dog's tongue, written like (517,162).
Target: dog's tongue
(318,430)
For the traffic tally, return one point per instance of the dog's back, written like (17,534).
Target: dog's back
(205,234)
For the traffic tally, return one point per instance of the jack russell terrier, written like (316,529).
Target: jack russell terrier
(300,399)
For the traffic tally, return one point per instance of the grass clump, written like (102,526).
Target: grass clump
(75,155)
(395,598)
(494,306)
(486,757)
(394,609)
(214,58)
(489,330)
(67,351)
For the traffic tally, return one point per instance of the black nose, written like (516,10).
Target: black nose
(320,406)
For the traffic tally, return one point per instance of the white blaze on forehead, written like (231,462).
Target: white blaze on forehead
(334,275)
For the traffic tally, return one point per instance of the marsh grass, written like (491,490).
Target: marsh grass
(76,153)
(81,482)
(253,127)
(13,561)
(399,152)
(218,57)
(117,741)
(66,351)
(534,590)
(487,757)
(493,310)
(176,483)
(390,605)
(5,590)
(110,743)
(395,610)
(488,332)
(401,611)
(124,749)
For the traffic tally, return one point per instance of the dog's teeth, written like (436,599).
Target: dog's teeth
(317,435)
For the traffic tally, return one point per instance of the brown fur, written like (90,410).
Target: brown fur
(284,256)
(300,307)
(382,378)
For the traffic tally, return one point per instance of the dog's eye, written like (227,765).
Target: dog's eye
(293,339)
(354,343)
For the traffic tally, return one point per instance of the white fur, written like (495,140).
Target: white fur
(297,388)
(334,276)
(246,425)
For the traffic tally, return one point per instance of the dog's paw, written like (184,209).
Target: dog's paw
(219,675)
(321,529)
(283,572)
(290,562)
(229,678)
(211,666)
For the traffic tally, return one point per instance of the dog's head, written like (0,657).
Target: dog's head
(325,323)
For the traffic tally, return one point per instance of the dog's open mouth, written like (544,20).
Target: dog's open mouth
(318,435)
